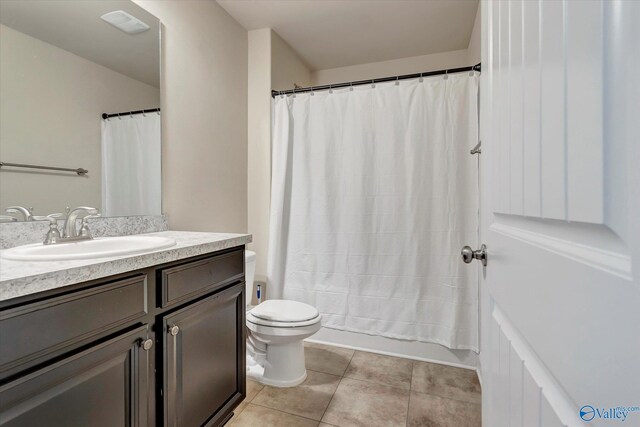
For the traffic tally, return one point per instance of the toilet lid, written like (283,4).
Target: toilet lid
(279,310)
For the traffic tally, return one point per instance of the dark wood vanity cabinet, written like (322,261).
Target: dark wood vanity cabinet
(162,346)
(205,360)
(104,385)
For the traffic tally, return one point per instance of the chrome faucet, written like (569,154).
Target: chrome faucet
(8,218)
(27,213)
(70,231)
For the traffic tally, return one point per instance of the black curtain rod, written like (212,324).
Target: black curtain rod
(129,113)
(274,93)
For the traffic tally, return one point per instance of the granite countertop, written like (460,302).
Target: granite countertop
(20,278)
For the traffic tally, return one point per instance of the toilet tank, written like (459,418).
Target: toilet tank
(249,273)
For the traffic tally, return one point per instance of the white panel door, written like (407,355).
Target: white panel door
(560,179)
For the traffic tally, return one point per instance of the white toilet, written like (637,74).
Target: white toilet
(277,328)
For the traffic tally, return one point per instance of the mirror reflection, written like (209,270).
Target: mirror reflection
(79,108)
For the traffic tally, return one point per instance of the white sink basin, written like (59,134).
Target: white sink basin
(87,249)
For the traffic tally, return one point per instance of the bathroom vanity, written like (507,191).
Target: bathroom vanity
(141,340)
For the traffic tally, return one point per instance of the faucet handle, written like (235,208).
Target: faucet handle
(97,215)
(88,209)
(53,235)
(52,218)
(8,218)
(84,225)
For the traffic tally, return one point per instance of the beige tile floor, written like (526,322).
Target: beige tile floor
(353,388)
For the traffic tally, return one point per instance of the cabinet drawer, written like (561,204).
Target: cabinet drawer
(51,326)
(186,281)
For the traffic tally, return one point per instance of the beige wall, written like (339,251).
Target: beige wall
(414,64)
(286,67)
(411,65)
(259,155)
(473,51)
(204,127)
(50,107)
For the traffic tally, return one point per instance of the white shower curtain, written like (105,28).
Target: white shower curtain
(374,193)
(131,165)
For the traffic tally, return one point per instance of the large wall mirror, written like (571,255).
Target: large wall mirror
(79,108)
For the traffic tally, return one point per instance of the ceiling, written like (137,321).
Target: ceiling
(338,33)
(75,26)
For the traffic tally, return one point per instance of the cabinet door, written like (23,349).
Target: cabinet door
(205,360)
(105,385)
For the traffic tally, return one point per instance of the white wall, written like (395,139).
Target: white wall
(204,127)
(50,108)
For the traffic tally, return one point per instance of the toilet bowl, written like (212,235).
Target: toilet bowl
(276,330)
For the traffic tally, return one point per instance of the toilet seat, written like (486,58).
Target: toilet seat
(283,314)
(275,324)
(281,310)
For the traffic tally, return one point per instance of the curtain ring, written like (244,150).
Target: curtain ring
(119,118)
(446,75)
(421,79)
(373,83)
(351,86)
(397,80)
(330,89)
(131,114)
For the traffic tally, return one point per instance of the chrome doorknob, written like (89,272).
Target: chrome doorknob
(469,254)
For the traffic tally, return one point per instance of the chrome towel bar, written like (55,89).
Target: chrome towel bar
(79,171)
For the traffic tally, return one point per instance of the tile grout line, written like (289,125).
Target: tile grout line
(334,391)
(406,419)
(448,398)
(284,412)
(248,401)
(438,395)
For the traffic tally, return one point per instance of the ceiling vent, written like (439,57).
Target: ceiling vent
(125,22)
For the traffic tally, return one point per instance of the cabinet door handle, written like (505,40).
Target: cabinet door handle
(146,344)
(173,330)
